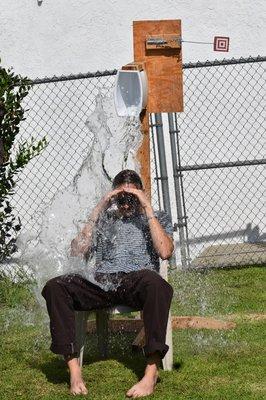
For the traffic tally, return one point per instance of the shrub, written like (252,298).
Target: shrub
(13,89)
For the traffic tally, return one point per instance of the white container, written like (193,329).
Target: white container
(131,92)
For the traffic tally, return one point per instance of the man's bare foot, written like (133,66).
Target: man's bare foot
(146,385)
(77,385)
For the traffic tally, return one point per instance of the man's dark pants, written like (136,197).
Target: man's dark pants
(143,290)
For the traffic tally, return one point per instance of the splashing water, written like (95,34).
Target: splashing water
(114,145)
(46,255)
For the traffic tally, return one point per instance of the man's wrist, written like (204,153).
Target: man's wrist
(93,217)
(98,209)
(92,220)
(149,212)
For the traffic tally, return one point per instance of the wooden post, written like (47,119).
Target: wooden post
(163,65)
(143,154)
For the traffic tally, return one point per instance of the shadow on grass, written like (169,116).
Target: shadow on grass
(177,365)
(55,370)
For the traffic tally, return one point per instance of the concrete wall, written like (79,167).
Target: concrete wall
(71,36)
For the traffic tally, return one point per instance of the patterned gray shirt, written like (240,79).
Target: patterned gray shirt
(124,244)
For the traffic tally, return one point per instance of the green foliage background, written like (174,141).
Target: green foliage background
(13,89)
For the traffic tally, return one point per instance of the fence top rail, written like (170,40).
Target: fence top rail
(72,77)
(191,65)
(231,61)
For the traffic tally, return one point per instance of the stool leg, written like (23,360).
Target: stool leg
(102,318)
(168,359)
(81,328)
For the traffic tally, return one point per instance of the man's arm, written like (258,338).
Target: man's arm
(163,243)
(81,245)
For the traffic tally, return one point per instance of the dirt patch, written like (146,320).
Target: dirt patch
(183,322)
(201,323)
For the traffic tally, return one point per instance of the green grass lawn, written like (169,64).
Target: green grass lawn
(209,364)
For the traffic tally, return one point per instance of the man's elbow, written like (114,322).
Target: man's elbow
(73,248)
(166,255)
(76,249)
(167,251)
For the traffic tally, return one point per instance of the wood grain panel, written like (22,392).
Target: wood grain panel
(143,154)
(163,65)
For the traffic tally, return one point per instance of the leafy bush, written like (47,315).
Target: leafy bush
(13,89)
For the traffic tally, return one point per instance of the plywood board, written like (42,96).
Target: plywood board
(163,65)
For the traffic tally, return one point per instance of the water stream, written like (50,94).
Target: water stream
(114,146)
(47,254)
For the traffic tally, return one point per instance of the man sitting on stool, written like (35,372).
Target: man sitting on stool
(128,242)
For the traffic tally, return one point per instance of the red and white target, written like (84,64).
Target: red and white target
(221,43)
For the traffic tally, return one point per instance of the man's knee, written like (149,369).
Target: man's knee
(155,281)
(167,288)
(50,286)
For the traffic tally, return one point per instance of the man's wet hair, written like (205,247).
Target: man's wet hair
(127,176)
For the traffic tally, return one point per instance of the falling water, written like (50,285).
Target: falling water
(114,146)
(47,254)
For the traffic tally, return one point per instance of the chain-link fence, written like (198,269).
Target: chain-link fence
(57,108)
(218,176)
(215,186)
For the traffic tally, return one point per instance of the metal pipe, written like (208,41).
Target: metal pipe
(62,78)
(181,218)
(217,63)
(163,172)
(229,164)
(99,74)
(182,189)
(162,163)
(155,161)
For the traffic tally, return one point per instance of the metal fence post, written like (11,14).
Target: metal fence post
(162,163)
(181,217)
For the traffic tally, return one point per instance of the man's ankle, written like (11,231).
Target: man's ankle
(154,359)
(152,367)
(68,357)
(74,367)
